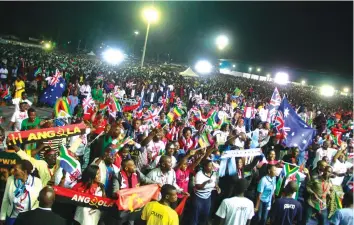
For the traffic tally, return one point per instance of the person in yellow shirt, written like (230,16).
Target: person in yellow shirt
(160,212)
(20,87)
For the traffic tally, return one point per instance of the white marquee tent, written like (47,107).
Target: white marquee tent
(189,73)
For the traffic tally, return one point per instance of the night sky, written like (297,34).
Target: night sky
(308,36)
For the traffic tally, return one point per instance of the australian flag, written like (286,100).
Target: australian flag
(293,130)
(56,87)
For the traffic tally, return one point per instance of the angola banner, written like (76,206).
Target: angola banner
(29,136)
(68,196)
(135,198)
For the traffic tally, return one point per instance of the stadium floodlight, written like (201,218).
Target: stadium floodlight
(222,41)
(113,56)
(327,90)
(151,16)
(258,69)
(281,78)
(250,69)
(47,45)
(136,33)
(303,82)
(234,66)
(203,67)
(346,90)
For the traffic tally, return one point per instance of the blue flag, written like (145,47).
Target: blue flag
(53,92)
(294,131)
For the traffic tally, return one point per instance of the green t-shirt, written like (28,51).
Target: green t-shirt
(27,125)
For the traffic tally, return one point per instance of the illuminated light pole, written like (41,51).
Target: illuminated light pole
(346,90)
(151,16)
(268,77)
(250,69)
(303,82)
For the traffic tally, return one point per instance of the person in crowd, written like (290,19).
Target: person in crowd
(183,170)
(32,122)
(74,101)
(170,151)
(292,158)
(286,210)
(46,168)
(324,151)
(43,215)
(17,101)
(345,215)
(85,90)
(186,141)
(18,117)
(206,181)
(164,174)
(319,169)
(21,193)
(265,189)
(107,169)
(97,94)
(90,183)
(20,87)
(319,190)
(237,209)
(160,212)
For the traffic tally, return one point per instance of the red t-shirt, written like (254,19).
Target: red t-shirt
(99,125)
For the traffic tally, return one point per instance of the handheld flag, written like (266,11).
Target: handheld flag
(294,131)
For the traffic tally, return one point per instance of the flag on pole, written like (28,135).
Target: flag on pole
(287,172)
(289,126)
(204,140)
(273,105)
(237,91)
(38,71)
(68,162)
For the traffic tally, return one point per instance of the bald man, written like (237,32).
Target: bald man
(42,215)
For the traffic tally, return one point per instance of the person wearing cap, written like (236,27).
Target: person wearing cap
(237,209)
(46,168)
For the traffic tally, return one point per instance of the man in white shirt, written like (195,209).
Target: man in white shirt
(164,174)
(3,73)
(237,210)
(17,101)
(85,90)
(18,117)
(324,151)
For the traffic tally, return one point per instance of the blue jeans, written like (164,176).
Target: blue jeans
(314,216)
(262,213)
(200,211)
(247,122)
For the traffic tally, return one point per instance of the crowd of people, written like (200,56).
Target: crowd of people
(152,126)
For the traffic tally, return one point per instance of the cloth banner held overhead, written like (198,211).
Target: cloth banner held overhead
(241,153)
(227,159)
(29,136)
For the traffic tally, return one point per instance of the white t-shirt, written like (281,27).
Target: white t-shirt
(200,178)
(85,90)
(3,73)
(320,153)
(236,210)
(17,118)
(156,148)
(17,101)
(263,113)
(339,167)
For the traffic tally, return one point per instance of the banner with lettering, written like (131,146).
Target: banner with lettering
(7,161)
(241,153)
(29,136)
(69,196)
